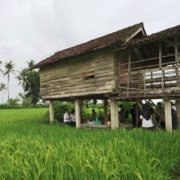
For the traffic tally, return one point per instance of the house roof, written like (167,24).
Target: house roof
(156,36)
(120,36)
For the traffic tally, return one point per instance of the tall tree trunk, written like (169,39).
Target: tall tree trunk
(8,85)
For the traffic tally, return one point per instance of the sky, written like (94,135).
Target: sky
(31,29)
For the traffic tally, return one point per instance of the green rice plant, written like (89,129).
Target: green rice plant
(33,149)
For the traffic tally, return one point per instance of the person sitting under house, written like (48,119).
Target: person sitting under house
(93,115)
(66,117)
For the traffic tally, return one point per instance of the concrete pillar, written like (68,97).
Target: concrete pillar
(178,111)
(51,112)
(78,113)
(168,117)
(114,113)
(106,110)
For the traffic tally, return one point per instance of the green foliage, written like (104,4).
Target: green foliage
(31,149)
(13,102)
(2,87)
(30,81)
(19,106)
(26,102)
(126,105)
(32,88)
(9,68)
(60,108)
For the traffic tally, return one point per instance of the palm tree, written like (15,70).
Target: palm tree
(30,63)
(22,78)
(9,68)
(0,67)
(2,88)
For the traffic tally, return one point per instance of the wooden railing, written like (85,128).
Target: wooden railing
(146,81)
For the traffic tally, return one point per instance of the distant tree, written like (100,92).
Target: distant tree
(32,88)
(9,68)
(2,88)
(22,78)
(29,79)
(13,102)
(30,64)
(1,71)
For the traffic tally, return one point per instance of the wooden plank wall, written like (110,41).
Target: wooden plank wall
(67,79)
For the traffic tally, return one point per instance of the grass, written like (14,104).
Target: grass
(33,149)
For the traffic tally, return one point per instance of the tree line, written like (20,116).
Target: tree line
(28,78)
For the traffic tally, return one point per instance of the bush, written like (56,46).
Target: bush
(60,108)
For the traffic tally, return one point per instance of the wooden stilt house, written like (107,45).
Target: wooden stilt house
(124,65)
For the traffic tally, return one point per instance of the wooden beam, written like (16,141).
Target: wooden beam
(106,109)
(51,112)
(129,71)
(160,55)
(78,113)
(176,50)
(168,117)
(114,113)
(116,72)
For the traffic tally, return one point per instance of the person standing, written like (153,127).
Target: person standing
(135,114)
(147,113)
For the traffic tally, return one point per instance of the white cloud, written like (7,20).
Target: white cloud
(34,29)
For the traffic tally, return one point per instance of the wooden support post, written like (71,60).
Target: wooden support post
(51,112)
(168,117)
(114,113)
(178,111)
(106,110)
(78,113)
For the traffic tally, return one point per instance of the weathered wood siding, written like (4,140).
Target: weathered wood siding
(153,77)
(67,78)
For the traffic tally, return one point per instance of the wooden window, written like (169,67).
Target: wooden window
(88,75)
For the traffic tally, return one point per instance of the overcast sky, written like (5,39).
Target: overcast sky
(35,29)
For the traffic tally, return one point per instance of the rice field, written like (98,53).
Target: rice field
(32,149)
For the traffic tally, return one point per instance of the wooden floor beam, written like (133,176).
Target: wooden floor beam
(114,113)
(78,113)
(51,112)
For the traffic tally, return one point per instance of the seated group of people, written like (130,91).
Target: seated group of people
(69,118)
